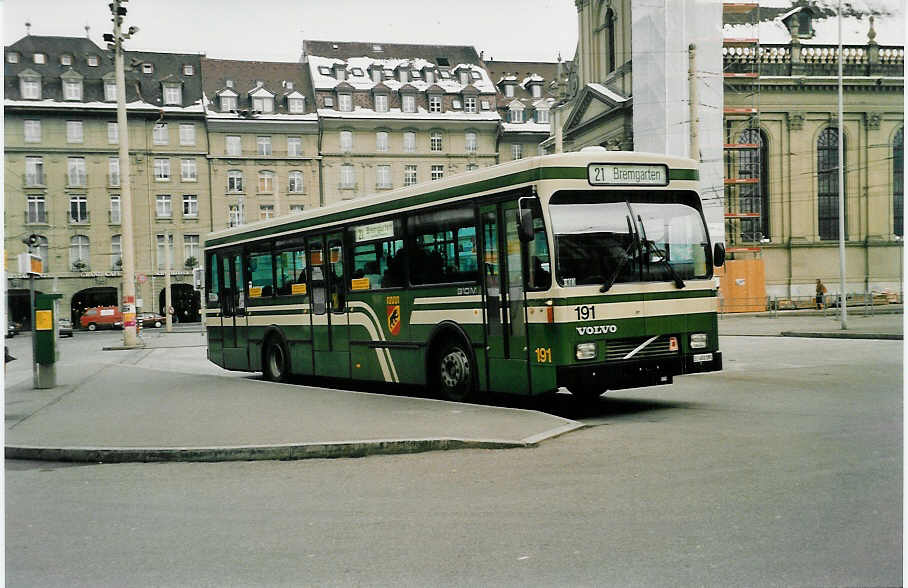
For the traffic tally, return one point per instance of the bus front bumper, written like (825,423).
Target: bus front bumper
(618,375)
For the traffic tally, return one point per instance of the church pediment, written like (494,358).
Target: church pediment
(594,103)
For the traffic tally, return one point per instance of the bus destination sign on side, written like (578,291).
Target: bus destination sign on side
(611,174)
(381,230)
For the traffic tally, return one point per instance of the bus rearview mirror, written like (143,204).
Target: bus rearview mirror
(718,254)
(525,225)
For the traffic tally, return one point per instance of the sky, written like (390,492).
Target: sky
(273,30)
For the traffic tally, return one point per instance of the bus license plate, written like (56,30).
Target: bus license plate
(702,357)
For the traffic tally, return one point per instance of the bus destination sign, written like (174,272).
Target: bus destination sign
(613,174)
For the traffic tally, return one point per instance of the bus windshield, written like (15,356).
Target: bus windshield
(611,237)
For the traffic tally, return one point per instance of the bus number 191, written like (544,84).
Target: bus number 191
(585,313)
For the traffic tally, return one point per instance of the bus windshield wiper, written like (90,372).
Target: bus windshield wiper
(627,252)
(651,247)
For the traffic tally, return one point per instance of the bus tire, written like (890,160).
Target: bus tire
(455,372)
(92,326)
(276,360)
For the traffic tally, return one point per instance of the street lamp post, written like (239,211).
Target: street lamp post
(115,42)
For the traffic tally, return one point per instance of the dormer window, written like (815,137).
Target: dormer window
(228,83)
(464,77)
(444,74)
(340,72)
(173,94)
(469,103)
(110,90)
(435,103)
(39,58)
(376,74)
(147,68)
(66,59)
(357,71)
(455,104)
(12,57)
(188,70)
(414,74)
(542,115)
(381,103)
(296,105)
(263,104)
(345,102)
(475,74)
(329,101)
(515,114)
(228,101)
(72,88)
(92,61)
(509,90)
(408,103)
(402,76)
(536,91)
(377,48)
(30,85)
(430,76)
(324,70)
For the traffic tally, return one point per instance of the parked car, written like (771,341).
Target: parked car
(12,329)
(101,317)
(65,327)
(150,319)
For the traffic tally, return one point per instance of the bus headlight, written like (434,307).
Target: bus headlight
(586,351)
(698,340)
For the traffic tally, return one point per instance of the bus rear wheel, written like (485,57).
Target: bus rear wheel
(277,361)
(455,372)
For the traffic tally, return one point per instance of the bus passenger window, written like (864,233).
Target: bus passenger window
(261,278)
(443,247)
(212,285)
(290,267)
(377,256)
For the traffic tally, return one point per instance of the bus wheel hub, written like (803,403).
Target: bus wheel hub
(455,368)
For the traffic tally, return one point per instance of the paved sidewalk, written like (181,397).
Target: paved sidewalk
(885,323)
(167,402)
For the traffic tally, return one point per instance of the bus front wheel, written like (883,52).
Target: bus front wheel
(277,361)
(455,372)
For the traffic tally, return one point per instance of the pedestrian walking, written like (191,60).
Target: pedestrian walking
(821,294)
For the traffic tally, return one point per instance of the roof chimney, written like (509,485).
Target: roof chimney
(88,31)
(28,28)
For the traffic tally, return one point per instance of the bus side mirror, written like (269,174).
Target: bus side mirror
(718,254)
(525,225)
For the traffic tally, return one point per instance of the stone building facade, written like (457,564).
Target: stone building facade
(62,170)
(393,115)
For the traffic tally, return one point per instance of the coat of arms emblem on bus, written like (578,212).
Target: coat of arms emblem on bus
(394,319)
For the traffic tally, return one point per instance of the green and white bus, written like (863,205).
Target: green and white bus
(588,270)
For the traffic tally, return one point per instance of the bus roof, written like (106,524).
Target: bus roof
(570,165)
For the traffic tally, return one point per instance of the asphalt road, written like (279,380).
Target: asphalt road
(783,470)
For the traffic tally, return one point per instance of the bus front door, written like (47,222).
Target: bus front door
(505,300)
(330,325)
(233,311)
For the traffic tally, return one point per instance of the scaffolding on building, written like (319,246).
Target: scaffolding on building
(745,209)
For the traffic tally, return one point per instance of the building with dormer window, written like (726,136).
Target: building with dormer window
(63,179)
(399,114)
(263,140)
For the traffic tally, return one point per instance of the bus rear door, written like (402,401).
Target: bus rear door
(505,300)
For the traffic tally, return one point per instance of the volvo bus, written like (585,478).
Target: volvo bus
(590,271)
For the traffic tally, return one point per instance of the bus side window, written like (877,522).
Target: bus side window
(317,277)
(212,284)
(539,268)
(261,273)
(290,268)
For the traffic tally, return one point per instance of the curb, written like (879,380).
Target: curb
(834,335)
(251,452)
(271,452)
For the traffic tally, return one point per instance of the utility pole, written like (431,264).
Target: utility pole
(843,306)
(115,43)
(168,301)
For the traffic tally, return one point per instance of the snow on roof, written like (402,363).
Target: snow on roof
(507,78)
(526,127)
(889,23)
(420,114)
(535,77)
(321,81)
(135,105)
(608,93)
